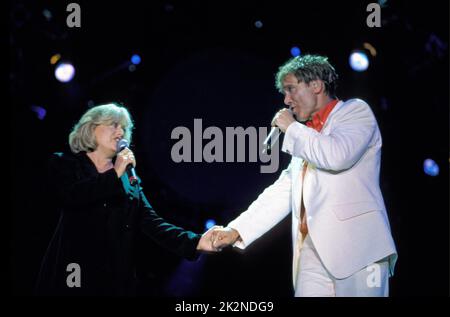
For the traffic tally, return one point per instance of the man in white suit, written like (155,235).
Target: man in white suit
(342,244)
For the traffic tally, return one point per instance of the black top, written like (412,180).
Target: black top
(101,216)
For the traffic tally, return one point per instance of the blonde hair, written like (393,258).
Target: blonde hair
(82,137)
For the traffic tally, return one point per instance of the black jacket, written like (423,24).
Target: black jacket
(101,216)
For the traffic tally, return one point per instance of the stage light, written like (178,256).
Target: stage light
(258,24)
(209,223)
(47,14)
(135,59)
(382,3)
(430,167)
(64,72)
(370,48)
(295,51)
(40,112)
(359,61)
(55,58)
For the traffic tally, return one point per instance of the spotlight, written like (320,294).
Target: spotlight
(64,72)
(55,58)
(40,112)
(370,48)
(209,223)
(47,14)
(382,3)
(430,167)
(295,51)
(359,61)
(135,59)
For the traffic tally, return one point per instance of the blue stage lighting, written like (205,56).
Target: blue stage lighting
(209,223)
(258,24)
(430,167)
(135,59)
(40,112)
(359,61)
(295,51)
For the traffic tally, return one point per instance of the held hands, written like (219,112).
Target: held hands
(217,238)
(224,237)
(283,119)
(124,158)
(206,241)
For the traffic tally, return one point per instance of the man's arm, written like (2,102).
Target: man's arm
(271,206)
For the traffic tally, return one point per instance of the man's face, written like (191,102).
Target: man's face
(300,97)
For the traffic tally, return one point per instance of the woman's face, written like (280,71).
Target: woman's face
(107,137)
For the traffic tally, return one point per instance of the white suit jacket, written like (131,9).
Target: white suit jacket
(345,211)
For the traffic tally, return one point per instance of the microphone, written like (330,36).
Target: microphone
(272,138)
(131,173)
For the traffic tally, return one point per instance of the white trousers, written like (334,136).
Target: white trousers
(313,279)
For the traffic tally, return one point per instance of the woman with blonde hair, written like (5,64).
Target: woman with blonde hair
(92,250)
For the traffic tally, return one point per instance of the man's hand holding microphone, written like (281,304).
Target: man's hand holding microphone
(283,119)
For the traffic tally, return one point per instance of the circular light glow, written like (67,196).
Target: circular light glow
(64,72)
(430,167)
(295,51)
(209,223)
(135,59)
(258,24)
(359,61)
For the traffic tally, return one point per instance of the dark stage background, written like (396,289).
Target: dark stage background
(213,60)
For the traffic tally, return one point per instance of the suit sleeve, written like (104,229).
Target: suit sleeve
(175,239)
(271,206)
(349,139)
(73,189)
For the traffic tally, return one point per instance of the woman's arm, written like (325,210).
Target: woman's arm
(176,239)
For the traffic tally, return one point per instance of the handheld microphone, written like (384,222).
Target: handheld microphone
(131,173)
(272,138)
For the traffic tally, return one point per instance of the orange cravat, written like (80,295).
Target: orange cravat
(317,122)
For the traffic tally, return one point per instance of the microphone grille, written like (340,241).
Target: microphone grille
(123,143)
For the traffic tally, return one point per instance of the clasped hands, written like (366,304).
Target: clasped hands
(216,238)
